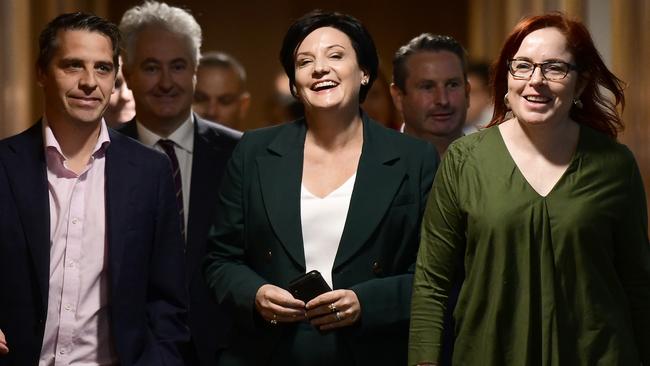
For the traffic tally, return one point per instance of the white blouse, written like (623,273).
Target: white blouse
(323,220)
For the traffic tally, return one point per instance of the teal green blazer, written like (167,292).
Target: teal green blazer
(257,238)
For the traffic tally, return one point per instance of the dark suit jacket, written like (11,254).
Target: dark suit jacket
(257,238)
(147,298)
(213,145)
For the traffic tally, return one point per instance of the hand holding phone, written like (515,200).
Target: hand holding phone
(308,286)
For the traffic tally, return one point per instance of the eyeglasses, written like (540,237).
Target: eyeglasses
(551,70)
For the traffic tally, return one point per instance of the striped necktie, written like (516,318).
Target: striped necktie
(168,147)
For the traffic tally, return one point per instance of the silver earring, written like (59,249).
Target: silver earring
(364,81)
(505,101)
(578,103)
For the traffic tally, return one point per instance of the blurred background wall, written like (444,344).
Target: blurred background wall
(252,31)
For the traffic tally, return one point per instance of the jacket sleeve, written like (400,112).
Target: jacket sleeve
(442,238)
(227,275)
(633,259)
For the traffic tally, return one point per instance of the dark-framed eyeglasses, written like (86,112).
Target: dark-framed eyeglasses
(551,70)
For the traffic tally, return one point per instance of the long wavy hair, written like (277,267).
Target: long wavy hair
(597,111)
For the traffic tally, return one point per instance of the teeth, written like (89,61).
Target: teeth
(324,84)
(536,98)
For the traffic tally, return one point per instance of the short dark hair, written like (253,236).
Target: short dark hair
(224,61)
(359,36)
(47,41)
(425,42)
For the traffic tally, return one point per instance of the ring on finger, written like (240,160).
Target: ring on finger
(274,321)
(332,308)
(338,316)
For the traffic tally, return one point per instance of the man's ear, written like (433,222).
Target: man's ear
(468,89)
(396,94)
(245,100)
(40,76)
(126,74)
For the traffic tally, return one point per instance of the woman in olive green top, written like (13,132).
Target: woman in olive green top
(547,211)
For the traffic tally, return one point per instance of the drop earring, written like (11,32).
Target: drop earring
(578,103)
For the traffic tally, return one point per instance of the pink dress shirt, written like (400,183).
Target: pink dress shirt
(77,330)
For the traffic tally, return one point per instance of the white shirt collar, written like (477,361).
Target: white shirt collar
(183,137)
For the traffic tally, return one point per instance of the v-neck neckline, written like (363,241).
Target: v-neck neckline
(562,177)
(343,186)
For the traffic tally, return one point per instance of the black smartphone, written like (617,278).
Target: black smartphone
(308,286)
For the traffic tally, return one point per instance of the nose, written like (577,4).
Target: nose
(321,66)
(213,110)
(88,81)
(537,77)
(165,83)
(441,96)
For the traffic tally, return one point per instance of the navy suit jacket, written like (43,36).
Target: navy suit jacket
(213,145)
(147,298)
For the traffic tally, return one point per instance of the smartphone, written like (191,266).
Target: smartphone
(308,286)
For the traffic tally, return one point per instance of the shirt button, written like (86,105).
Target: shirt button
(68,307)
(75,221)
(62,351)
(70,264)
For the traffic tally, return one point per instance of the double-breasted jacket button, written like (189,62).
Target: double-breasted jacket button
(376,268)
(269,255)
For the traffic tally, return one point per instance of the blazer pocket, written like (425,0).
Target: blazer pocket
(404,199)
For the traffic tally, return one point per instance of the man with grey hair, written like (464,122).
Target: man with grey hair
(430,88)
(162,50)
(220,93)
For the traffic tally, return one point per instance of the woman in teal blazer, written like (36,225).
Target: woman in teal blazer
(263,238)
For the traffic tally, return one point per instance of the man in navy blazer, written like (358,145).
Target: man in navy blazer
(162,50)
(91,267)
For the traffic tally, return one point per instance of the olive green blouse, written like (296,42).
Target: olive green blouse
(557,280)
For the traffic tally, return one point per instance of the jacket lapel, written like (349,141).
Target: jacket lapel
(28,176)
(379,176)
(280,175)
(121,171)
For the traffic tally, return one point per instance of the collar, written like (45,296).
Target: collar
(52,144)
(183,137)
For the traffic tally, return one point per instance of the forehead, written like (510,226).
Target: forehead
(434,65)
(324,37)
(83,44)
(217,78)
(544,44)
(157,43)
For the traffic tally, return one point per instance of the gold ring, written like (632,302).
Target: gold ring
(332,308)
(338,316)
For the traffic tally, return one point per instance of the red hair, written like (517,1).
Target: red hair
(597,112)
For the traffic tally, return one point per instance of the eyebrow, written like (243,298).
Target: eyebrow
(545,61)
(74,60)
(157,61)
(327,48)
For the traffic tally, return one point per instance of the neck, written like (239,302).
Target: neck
(161,127)
(547,137)
(332,129)
(441,143)
(77,140)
